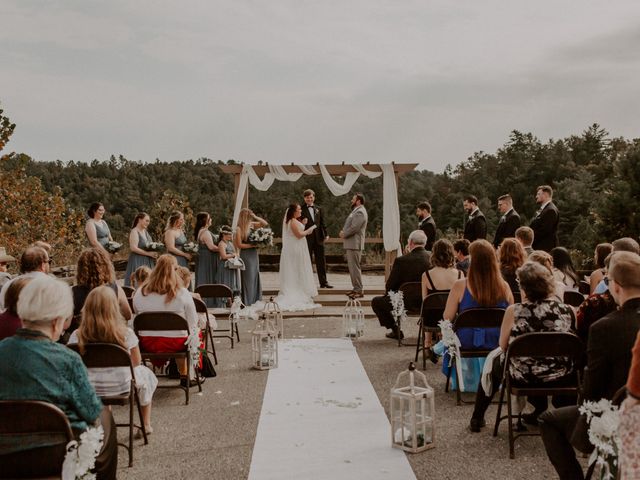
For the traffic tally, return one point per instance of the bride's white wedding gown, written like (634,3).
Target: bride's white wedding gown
(297,283)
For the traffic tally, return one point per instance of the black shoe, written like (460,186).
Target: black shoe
(476,424)
(531,418)
(192,383)
(394,334)
(326,285)
(432,355)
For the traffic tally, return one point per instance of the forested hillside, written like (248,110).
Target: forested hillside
(596,180)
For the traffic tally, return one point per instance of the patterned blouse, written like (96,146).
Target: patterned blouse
(543,316)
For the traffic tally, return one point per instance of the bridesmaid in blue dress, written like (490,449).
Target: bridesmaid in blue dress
(175,238)
(96,228)
(227,276)
(207,261)
(484,287)
(139,238)
(251,287)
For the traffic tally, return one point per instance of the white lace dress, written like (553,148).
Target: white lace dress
(297,282)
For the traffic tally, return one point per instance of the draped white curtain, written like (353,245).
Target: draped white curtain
(390,210)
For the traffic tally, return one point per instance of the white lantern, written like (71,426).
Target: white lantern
(264,345)
(273,313)
(353,319)
(412,412)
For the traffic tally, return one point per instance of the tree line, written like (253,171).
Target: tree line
(596,181)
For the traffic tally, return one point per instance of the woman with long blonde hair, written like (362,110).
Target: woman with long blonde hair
(103,323)
(163,292)
(175,238)
(250,276)
(484,287)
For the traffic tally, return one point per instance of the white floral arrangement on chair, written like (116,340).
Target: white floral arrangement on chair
(603,418)
(112,247)
(190,247)
(80,458)
(397,303)
(154,247)
(452,343)
(261,237)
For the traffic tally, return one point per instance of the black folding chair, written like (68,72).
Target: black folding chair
(107,355)
(154,321)
(584,287)
(128,291)
(431,313)
(220,291)
(485,318)
(517,297)
(33,439)
(412,296)
(209,346)
(573,298)
(538,345)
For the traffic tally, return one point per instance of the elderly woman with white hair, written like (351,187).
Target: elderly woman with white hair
(35,367)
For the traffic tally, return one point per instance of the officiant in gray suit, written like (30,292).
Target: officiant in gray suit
(353,235)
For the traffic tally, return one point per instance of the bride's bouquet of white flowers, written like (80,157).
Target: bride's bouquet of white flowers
(190,247)
(113,247)
(154,247)
(261,237)
(603,418)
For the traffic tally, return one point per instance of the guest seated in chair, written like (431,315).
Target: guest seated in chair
(163,292)
(103,323)
(9,320)
(538,312)
(483,287)
(512,256)
(35,367)
(608,362)
(407,268)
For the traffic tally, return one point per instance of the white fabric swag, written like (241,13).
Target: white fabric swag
(390,210)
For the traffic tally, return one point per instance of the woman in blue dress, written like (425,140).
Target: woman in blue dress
(139,238)
(484,287)
(251,287)
(207,261)
(227,276)
(96,228)
(175,238)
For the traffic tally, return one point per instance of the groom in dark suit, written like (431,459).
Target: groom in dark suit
(545,223)
(509,222)
(312,215)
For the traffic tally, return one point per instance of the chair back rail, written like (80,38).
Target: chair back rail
(103,355)
(159,321)
(214,290)
(479,318)
(573,298)
(433,307)
(412,294)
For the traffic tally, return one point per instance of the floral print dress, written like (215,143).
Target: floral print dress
(542,316)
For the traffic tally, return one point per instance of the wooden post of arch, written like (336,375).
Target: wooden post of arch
(333,169)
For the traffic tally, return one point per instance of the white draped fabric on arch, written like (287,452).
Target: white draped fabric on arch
(390,211)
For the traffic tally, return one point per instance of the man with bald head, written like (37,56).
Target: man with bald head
(407,268)
(33,263)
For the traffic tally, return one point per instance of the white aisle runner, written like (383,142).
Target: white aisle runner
(321,419)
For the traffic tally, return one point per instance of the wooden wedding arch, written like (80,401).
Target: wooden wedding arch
(339,170)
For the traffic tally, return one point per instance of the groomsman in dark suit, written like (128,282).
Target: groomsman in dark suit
(312,215)
(509,222)
(426,223)
(545,223)
(476,225)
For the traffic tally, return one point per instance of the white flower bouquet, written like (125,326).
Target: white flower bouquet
(603,418)
(190,247)
(112,247)
(397,303)
(261,237)
(154,247)
(452,343)
(81,457)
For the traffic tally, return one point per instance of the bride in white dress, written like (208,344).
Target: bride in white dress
(297,283)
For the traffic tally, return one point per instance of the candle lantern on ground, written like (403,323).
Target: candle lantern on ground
(273,313)
(412,412)
(353,319)
(264,345)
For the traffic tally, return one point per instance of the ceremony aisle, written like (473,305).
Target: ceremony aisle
(321,418)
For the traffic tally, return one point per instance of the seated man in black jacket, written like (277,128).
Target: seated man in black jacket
(608,362)
(407,268)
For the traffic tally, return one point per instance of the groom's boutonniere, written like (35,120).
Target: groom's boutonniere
(316,210)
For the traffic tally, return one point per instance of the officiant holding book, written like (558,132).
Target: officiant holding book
(312,215)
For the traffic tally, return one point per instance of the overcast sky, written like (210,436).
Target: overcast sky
(312,81)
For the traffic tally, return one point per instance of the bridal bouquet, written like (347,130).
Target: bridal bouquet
(603,419)
(190,247)
(261,237)
(154,247)
(113,247)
